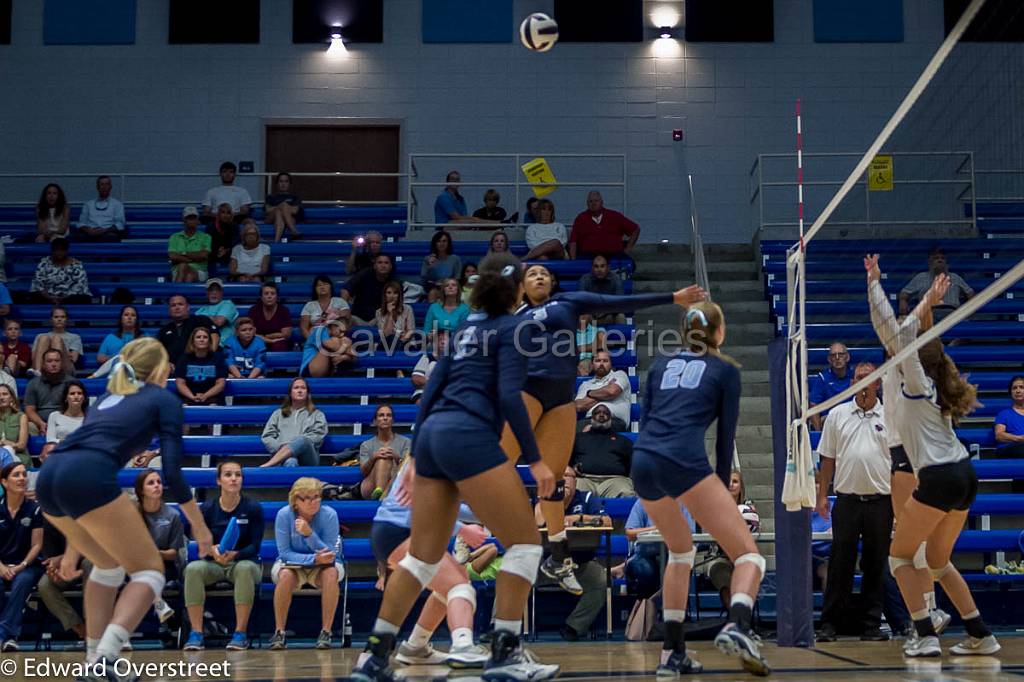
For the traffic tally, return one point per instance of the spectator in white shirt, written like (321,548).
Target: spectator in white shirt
(425,365)
(607,387)
(545,238)
(102,218)
(323,307)
(250,260)
(227,193)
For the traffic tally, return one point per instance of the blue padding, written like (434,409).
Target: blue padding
(1009,329)
(987,541)
(348,511)
(998,504)
(1000,306)
(981,437)
(257,477)
(858,21)
(1006,207)
(960,354)
(823,287)
(901,247)
(999,468)
(172,212)
(618,507)
(831,266)
(621,359)
(352,549)
(1000,225)
(163,231)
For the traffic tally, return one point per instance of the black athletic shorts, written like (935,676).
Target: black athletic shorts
(655,477)
(551,393)
(455,446)
(947,486)
(385,537)
(74,482)
(900,461)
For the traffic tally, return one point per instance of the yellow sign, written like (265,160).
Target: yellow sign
(538,173)
(880,174)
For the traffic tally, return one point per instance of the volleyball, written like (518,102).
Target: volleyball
(750,515)
(539,32)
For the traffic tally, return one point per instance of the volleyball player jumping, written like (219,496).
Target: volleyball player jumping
(471,394)
(78,491)
(685,392)
(935,396)
(551,387)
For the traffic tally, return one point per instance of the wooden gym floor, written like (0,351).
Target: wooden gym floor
(598,660)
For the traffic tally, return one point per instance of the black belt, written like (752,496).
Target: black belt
(864,498)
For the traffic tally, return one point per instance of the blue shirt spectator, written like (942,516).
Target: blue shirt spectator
(831,381)
(112,345)
(449,202)
(439,317)
(638,518)
(295,549)
(5,300)
(246,358)
(249,514)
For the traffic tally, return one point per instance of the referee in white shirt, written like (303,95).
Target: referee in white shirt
(854,448)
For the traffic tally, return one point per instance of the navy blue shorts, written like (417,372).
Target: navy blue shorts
(551,393)
(455,446)
(385,537)
(656,477)
(947,486)
(74,482)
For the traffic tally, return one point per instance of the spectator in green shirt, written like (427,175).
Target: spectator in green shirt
(189,249)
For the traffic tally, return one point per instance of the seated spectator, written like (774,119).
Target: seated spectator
(1009,424)
(295,431)
(602,458)
(250,260)
(440,264)
(189,250)
(589,339)
(830,381)
(642,569)
(394,318)
(44,394)
(381,456)
(450,206)
(238,565)
(466,281)
(601,230)
(914,291)
(60,425)
(5,299)
(3,262)
(60,339)
(21,540)
(166,529)
(498,243)
(448,312)
(128,329)
(531,210)
(363,290)
(9,381)
(425,365)
(102,218)
(719,567)
(545,238)
(308,553)
(200,373)
(53,214)
(246,354)
(328,351)
(221,311)
(609,387)
(490,211)
(16,353)
(52,586)
(227,192)
(175,334)
(365,250)
(323,307)
(282,209)
(13,429)
(223,233)
(602,280)
(273,321)
(581,508)
(60,279)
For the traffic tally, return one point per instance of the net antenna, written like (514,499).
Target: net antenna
(799,487)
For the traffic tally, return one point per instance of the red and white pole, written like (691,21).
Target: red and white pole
(800,173)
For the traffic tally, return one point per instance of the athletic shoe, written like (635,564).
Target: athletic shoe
(678,664)
(472,656)
(194,642)
(874,635)
(509,662)
(324,640)
(940,620)
(163,611)
(972,646)
(373,669)
(278,641)
(563,574)
(461,551)
(923,647)
(911,641)
(10,645)
(239,642)
(826,634)
(733,641)
(127,646)
(105,670)
(424,655)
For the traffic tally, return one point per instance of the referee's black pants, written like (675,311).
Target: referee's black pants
(866,519)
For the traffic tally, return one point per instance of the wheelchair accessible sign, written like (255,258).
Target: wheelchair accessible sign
(880,173)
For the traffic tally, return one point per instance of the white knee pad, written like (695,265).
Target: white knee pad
(752,558)
(421,570)
(463,591)
(155,580)
(683,557)
(522,560)
(937,573)
(897,562)
(110,577)
(919,556)
(440,597)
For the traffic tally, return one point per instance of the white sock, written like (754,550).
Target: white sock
(513,626)
(462,638)
(383,627)
(90,649)
(558,537)
(741,598)
(929,600)
(677,615)
(420,637)
(113,639)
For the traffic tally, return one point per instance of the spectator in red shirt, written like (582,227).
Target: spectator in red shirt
(16,353)
(600,230)
(272,320)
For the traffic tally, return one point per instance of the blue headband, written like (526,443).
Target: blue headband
(696,312)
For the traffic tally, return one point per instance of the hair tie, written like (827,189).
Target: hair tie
(696,312)
(508,270)
(127,368)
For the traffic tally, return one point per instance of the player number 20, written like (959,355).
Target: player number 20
(683,374)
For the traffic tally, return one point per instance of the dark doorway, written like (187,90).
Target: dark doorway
(336,148)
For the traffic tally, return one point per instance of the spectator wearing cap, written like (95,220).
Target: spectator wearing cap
(175,334)
(227,192)
(189,250)
(250,260)
(102,218)
(830,381)
(219,309)
(959,291)
(601,230)
(60,279)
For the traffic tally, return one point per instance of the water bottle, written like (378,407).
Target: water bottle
(346,637)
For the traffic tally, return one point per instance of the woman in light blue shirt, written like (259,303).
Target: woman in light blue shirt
(127,329)
(441,263)
(448,312)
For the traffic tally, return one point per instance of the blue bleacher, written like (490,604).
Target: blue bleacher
(859,307)
(137,213)
(908,267)
(856,285)
(1005,354)
(1010,329)
(776,249)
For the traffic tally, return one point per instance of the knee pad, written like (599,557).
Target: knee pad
(109,577)
(919,556)
(522,560)
(752,558)
(463,591)
(559,494)
(938,573)
(440,597)
(421,570)
(155,580)
(897,562)
(683,557)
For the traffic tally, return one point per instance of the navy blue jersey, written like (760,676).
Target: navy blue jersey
(685,392)
(554,324)
(122,426)
(482,376)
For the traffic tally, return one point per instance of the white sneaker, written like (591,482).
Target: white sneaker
(940,620)
(163,611)
(924,647)
(519,668)
(563,573)
(972,646)
(461,551)
(425,655)
(472,656)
